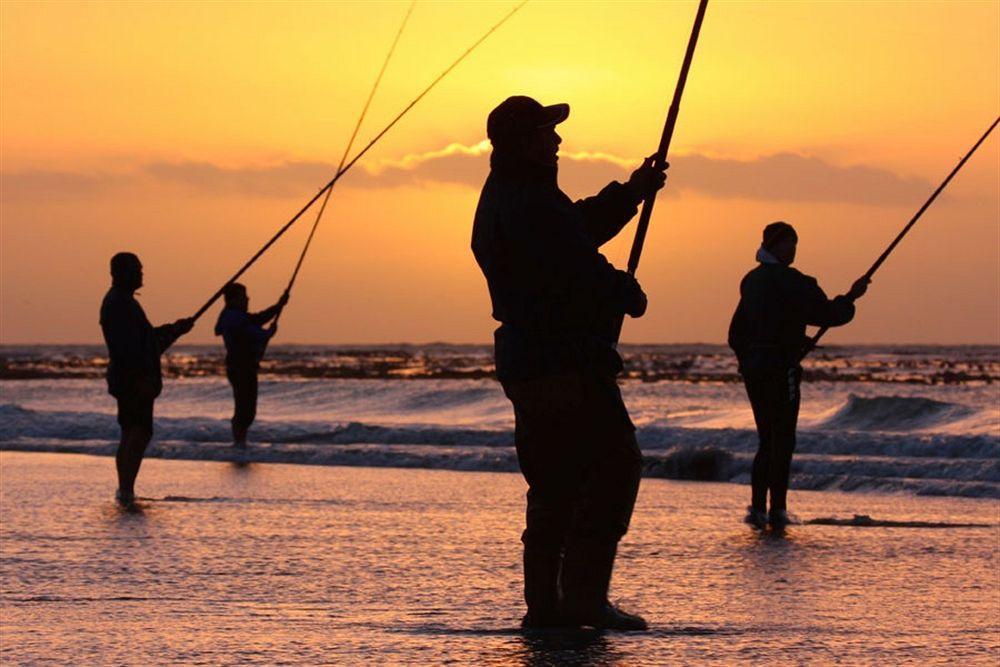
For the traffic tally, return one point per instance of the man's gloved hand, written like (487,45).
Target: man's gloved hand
(859,288)
(647,179)
(635,298)
(273,329)
(283,300)
(184,325)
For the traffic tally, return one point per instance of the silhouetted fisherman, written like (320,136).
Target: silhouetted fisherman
(768,334)
(558,299)
(134,378)
(246,339)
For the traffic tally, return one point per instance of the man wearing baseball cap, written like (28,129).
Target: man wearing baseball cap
(557,300)
(768,335)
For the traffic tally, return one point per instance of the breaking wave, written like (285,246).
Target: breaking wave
(895,413)
(867,444)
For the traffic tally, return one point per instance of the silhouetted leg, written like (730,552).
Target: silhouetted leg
(786,421)
(600,521)
(128,458)
(605,501)
(760,391)
(244,384)
(544,437)
(135,415)
(547,520)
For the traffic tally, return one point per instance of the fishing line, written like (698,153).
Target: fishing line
(899,237)
(353,161)
(347,150)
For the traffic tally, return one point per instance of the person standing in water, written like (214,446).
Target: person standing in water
(134,377)
(557,300)
(768,335)
(246,339)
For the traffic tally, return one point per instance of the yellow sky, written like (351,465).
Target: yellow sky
(189,131)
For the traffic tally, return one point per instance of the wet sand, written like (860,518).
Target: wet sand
(271,563)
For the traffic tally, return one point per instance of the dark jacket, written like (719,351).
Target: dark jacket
(244,336)
(768,330)
(556,297)
(134,345)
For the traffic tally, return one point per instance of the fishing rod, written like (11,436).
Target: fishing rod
(354,160)
(347,151)
(811,345)
(660,157)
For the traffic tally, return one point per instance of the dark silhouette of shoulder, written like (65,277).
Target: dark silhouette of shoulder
(777,302)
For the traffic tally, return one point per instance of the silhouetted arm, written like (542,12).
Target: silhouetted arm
(167,334)
(607,212)
(562,260)
(265,316)
(818,309)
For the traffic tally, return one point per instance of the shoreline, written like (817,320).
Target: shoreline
(696,466)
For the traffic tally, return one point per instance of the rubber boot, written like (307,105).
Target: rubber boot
(586,577)
(541,588)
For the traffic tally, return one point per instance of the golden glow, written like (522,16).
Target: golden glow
(101,91)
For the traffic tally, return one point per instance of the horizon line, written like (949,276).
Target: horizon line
(489,344)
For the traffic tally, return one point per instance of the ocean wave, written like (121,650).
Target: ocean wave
(20,422)
(827,458)
(895,413)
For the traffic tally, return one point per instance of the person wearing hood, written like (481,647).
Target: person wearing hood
(558,301)
(246,340)
(768,335)
(134,376)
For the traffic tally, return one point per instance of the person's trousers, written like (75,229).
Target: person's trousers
(244,384)
(774,397)
(577,450)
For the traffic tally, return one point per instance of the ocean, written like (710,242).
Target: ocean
(894,418)
(399,542)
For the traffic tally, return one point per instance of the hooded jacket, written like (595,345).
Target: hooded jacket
(768,329)
(244,336)
(555,296)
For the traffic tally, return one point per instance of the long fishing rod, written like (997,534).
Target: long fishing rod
(899,237)
(353,161)
(660,158)
(347,151)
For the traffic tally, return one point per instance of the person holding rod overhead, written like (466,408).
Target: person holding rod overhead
(768,335)
(133,375)
(558,301)
(246,339)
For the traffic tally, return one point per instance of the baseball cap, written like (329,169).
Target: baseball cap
(520,115)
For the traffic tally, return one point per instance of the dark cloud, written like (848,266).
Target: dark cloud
(780,177)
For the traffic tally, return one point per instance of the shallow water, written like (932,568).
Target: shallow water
(271,564)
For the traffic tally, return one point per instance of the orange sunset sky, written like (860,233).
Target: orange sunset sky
(188,132)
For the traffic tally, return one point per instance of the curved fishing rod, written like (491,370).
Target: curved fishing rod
(347,151)
(353,161)
(660,157)
(811,345)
